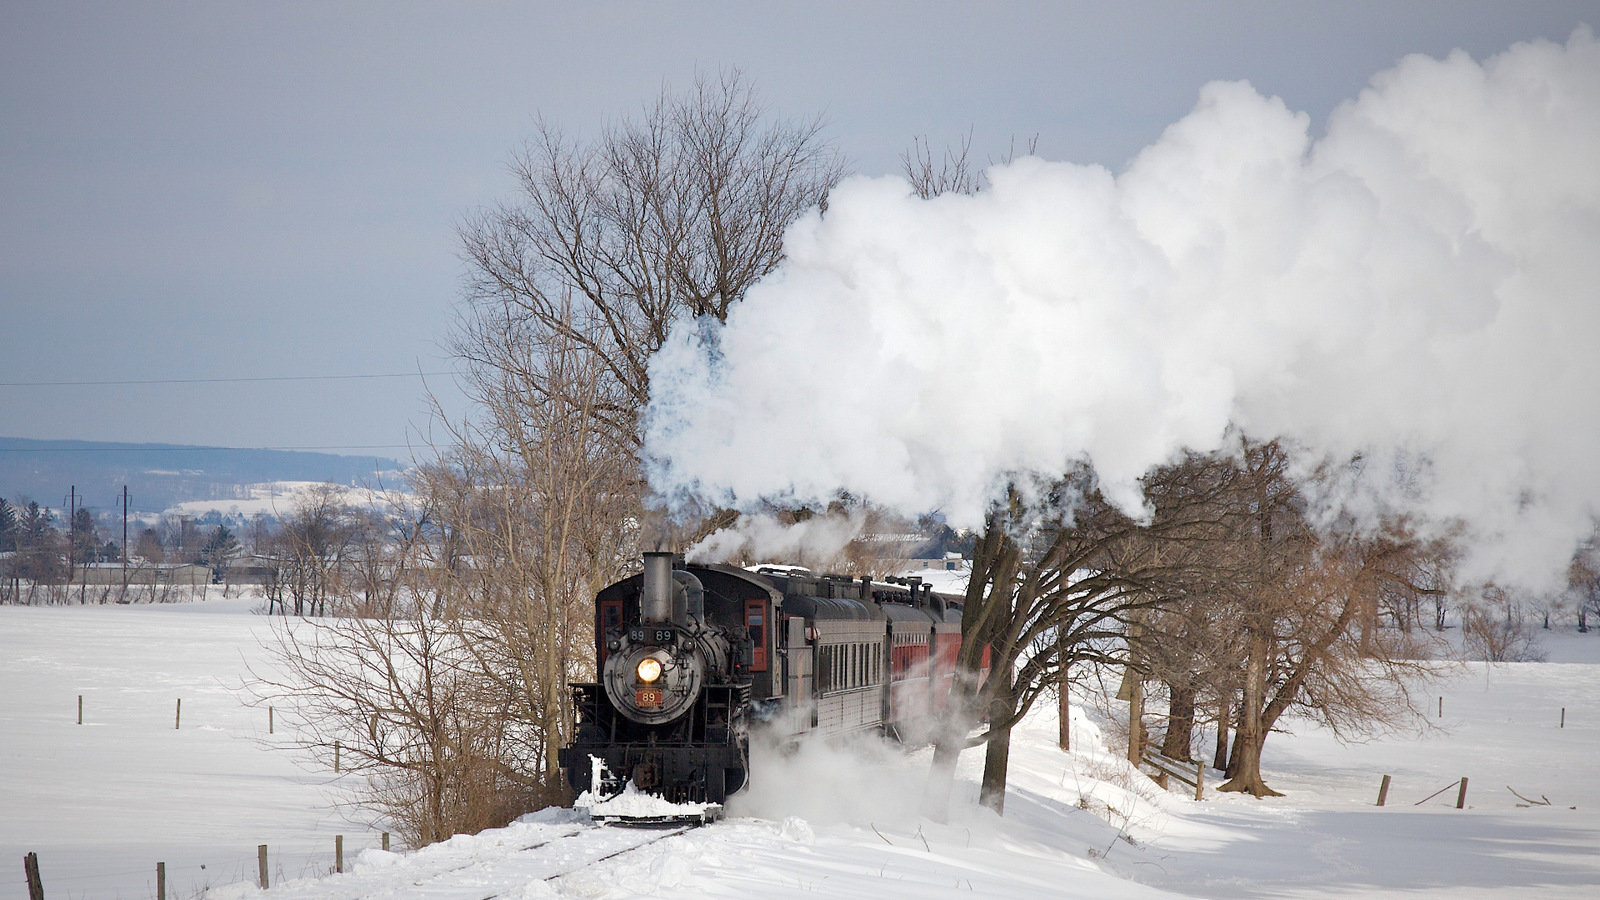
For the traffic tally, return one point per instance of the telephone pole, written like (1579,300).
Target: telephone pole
(124,543)
(72,540)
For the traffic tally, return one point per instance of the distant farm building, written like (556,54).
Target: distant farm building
(112,574)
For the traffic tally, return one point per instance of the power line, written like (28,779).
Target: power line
(142,449)
(214,380)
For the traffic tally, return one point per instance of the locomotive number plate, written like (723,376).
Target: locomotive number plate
(647,696)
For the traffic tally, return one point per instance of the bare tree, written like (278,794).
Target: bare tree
(672,215)
(1192,646)
(404,703)
(540,509)
(1300,597)
(311,549)
(1494,627)
(1056,584)
(954,172)
(1583,580)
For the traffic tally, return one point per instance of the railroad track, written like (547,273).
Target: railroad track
(616,853)
(507,875)
(435,876)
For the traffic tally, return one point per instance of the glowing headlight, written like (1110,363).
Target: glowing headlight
(649,670)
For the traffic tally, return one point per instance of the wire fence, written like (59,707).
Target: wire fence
(69,874)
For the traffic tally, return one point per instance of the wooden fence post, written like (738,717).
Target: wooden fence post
(161,881)
(1461,798)
(336,757)
(386,840)
(30,865)
(177,715)
(338,853)
(261,864)
(80,710)
(1383,790)
(1441,707)
(1563,715)
(1199,781)
(269,720)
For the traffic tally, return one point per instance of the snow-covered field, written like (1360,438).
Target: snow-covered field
(101,803)
(277,499)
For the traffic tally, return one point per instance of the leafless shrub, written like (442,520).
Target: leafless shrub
(424,735)
(1494,629)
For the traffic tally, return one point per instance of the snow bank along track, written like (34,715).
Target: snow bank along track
(551,858)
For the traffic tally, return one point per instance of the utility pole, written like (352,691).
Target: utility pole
(124,543)
(72,540)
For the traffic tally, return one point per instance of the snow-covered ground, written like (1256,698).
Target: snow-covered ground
(277,499)
(101,803)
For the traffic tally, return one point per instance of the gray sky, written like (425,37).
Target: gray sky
(201,191)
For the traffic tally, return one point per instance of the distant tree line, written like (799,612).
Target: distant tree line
(39,558)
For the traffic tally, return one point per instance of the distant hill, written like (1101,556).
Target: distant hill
(159,476)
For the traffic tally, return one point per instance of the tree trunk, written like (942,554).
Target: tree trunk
(950,738)
(997,755)
(1219,760)
(1063,703)
(1246,765)
(1180,723)
(1136,721)
(1244,768)
(551,706)
(942,775)
(1064,715)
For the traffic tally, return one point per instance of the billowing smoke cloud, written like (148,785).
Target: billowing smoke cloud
(1420,285)
(763,537)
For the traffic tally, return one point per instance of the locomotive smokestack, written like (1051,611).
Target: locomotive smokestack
(655,599)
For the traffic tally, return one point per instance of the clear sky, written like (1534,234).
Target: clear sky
(195,192)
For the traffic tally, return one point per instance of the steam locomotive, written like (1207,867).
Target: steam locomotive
(691,658)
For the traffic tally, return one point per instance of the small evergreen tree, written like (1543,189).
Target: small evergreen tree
(35,524)
(84,539)
(8,526)
(219,548)
(39,554)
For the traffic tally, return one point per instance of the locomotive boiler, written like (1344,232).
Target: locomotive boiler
(691,658)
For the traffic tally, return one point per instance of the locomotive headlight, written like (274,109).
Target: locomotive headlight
(649,670)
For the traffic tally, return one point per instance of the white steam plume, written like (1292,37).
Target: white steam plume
(815,541)
(1422,283)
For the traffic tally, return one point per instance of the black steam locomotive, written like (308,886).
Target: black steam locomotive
(692,657)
